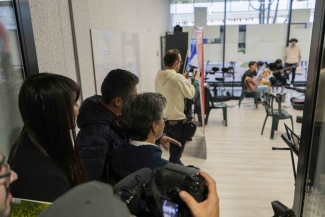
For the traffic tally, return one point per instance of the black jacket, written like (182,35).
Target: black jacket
(128,158)
(38,176)
(99,134)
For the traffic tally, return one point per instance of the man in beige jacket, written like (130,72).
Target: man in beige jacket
(175,88)
(292,58)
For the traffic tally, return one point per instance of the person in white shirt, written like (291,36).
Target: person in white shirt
(175,88)
(292,57)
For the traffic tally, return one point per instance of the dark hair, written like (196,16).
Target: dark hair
(260,63)
(118,83)
(170,57)
(140,111)
(293,39)
(46,106)
(278,61)
(251,63)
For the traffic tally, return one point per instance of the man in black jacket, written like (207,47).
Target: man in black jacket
(100,124)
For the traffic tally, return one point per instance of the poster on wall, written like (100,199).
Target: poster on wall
(114,50)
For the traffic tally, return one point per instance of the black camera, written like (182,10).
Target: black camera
(167,182)
(190,70)
(159,197)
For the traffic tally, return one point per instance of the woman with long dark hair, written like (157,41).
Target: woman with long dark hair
(46,155)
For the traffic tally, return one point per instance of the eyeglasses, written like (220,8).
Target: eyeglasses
(180,62)
(7,174)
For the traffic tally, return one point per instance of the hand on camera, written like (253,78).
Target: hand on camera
(197,75)
(209,207)
(186,75)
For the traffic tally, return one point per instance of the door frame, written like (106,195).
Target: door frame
(315,59)
(26,37)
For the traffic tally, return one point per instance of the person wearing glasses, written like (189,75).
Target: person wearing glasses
(7,176)
(175,88)
(46,155)
(143,120)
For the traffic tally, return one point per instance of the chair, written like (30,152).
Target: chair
(209,104)
(244,92)
(273,109)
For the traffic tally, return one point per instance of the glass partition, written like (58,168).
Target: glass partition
(11,77)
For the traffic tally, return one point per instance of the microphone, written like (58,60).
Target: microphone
(130,188)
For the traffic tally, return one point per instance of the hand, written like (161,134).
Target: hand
(209,207)
(197,75)
(165,140)
(186,75)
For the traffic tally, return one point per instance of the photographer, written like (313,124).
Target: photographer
(96,199)
(209,207)
(175,88)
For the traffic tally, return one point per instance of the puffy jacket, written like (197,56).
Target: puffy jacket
(127,158)
(99,134)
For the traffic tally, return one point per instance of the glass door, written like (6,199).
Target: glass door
(11,77)
(314,203)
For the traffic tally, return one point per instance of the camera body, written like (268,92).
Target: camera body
(167,182)
(190,70)
(155,193)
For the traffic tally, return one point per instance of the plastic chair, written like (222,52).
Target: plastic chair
(273,109)
(244,92)
(209,104)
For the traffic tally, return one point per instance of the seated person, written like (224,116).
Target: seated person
(143,120)
(259,66)
(46,155)
(250,73)
(278,72)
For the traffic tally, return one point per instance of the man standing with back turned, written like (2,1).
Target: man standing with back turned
(175,88)
(292,58)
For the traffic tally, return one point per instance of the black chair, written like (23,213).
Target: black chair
(209,104)
(273,109)
(244,92)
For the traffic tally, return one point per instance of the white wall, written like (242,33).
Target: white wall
(300,15)
(263,42)
(52,32)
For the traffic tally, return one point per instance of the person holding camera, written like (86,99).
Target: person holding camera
(143,120)
(97,199)
(175,88)
(209,207)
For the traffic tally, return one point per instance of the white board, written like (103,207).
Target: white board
(114,50)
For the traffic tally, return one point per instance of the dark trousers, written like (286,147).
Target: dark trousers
(293,70)
(175,131)
(280,78)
